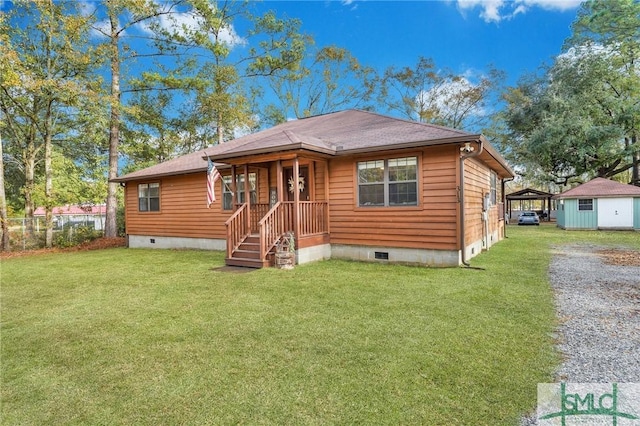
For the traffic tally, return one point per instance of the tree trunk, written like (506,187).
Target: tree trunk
(29,160)
(48,183)
(48,173)
(4,224)
(635,169)
(220,129)
(111,226)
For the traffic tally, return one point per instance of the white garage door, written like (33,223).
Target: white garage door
(615,212)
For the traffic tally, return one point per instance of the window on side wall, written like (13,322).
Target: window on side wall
(149,197)
(389,182)
(585,205)
(494,188)
(227,195)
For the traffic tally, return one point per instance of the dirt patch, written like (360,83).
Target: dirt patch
(98,244)
(620,257)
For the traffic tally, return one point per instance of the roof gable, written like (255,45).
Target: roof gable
(601,187)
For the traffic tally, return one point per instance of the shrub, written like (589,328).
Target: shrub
(73,235)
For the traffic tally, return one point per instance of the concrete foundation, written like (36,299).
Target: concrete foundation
(150,241)
(439,258)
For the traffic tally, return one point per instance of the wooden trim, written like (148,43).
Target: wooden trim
(234,190)
(312,181)
(280,181)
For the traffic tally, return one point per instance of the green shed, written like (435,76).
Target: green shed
(599,204)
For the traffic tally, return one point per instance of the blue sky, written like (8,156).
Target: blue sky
(465,36)
(515,36)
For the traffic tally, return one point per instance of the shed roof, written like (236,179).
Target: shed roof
(340,133)
(73,210)
(601,188)
(529,194)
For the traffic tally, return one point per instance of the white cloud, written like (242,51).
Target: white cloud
(101,29)
(499,10)
(182,22)
(450,98)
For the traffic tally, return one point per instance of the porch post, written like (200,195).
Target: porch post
(326,194)
(234,190)
(280,181)
(296,199)
(247,195)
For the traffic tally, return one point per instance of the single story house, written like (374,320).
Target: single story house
(351,184)
(76,215)
(599,204)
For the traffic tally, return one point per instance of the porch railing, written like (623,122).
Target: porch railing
(258,211)
(237,229)
(314,218)
(272,224)
(277,222)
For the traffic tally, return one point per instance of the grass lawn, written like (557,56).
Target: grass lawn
(124,336)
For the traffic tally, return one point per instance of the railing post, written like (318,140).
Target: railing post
(296,198)
(247,196)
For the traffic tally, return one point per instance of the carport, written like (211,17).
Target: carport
(527,197)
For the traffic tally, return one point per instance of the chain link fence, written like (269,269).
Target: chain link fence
(29,234)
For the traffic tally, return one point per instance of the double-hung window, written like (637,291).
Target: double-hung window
(389,182)
(585,205)
(149,197)
(227,195)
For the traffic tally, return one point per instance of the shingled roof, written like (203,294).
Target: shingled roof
(339,133)
(600,188)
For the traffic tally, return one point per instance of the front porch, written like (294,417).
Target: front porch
(291,206)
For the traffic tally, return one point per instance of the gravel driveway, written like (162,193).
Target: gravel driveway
(597,293)
(598,305)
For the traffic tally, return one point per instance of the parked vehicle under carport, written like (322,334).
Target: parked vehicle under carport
(528,218)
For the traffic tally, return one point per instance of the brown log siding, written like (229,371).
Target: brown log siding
(477,184)
(430,225)
(183,209)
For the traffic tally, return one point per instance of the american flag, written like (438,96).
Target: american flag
(212,176)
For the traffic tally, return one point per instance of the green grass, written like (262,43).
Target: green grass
(124,336)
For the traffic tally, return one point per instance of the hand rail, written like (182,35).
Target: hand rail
(273,225)
(236,229)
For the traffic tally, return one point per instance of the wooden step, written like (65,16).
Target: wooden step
(246,253)
(246,263)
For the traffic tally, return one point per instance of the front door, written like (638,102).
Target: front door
(303,184)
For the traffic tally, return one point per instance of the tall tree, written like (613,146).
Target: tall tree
(123,16)
(580,119)
(10,78)
(439,96)
(329,80)
(611,28)
(270,45)
(53,66)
